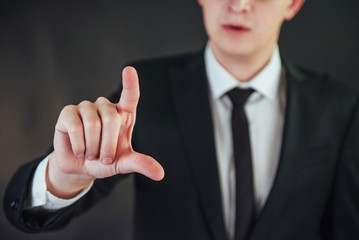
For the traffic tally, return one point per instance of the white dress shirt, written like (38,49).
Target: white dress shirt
(40,197)
(265,113)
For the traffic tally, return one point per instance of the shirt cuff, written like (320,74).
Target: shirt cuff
(40,197)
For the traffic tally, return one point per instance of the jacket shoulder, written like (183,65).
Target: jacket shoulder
(323,84)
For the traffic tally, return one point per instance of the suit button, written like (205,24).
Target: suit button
(14,204)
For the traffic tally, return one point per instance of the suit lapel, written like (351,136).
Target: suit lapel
(301,110)
(191,101)
(192,106)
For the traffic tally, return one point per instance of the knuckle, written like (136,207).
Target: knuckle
(85,103)
(93,124)
(111,120)
(75,128)
(102,100)
(69,108)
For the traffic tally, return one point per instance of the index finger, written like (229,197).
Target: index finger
(131,91)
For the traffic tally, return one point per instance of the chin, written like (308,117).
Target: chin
(233,45)
(236,49)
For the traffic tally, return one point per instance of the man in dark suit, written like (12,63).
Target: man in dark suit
(302,127)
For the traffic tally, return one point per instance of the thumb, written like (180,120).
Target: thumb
(140,163)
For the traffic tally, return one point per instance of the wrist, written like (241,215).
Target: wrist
(64,185)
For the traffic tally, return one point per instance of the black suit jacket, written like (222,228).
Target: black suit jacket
(315,193)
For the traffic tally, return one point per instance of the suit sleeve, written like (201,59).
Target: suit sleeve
(38,219)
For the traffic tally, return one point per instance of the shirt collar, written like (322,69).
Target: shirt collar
(266,82)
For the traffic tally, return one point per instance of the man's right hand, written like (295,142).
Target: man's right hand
(93,140)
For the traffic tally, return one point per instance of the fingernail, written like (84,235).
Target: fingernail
(107,161)
(81,155)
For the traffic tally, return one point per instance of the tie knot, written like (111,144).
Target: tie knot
(239,96)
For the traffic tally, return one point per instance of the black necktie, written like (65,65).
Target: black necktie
(245,208)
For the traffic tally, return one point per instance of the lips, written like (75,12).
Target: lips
(235,28)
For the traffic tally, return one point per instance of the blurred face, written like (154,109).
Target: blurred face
(245,27)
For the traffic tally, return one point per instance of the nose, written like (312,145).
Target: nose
(238,6)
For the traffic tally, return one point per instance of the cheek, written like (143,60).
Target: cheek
(211,20)
(269,25)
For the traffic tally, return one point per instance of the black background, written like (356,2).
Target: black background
(54,53)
